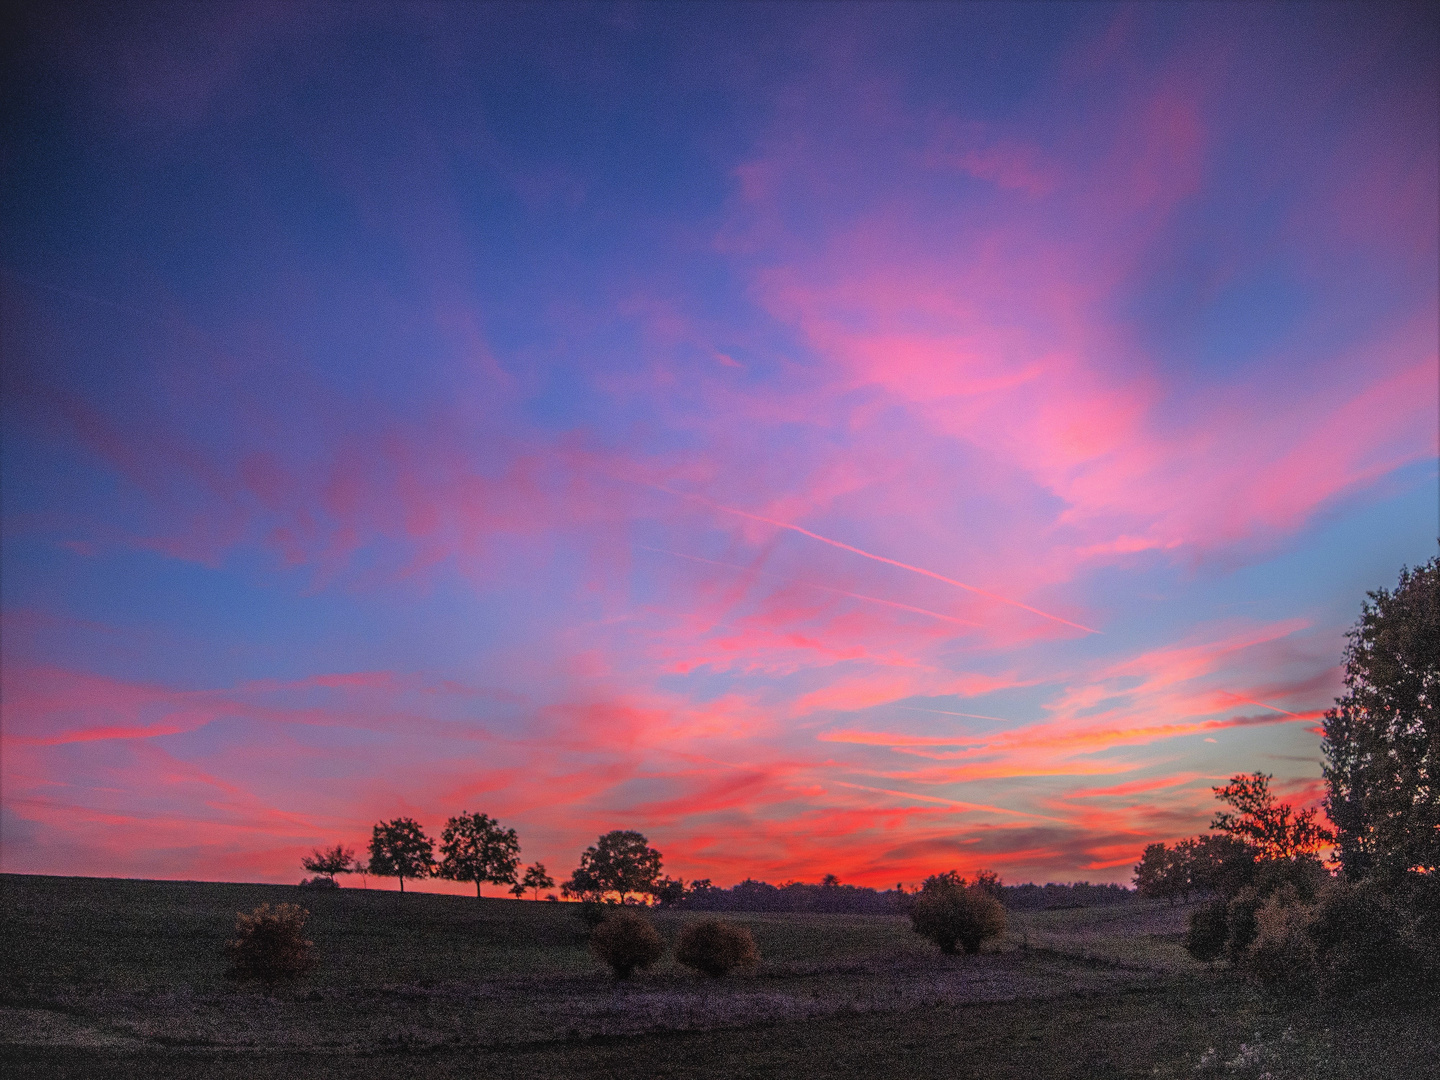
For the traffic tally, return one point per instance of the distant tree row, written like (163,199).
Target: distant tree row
(473,848)
(622,867)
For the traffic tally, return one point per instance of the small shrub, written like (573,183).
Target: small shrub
(319,882)
(626,941)
(950,914)
(715,948)
(270,944)
(1205,939)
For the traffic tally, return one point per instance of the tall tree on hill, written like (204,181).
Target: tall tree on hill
(621,862)
(400,849)
(474,847)
(1382,738)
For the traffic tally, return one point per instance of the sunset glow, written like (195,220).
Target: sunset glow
(841,439)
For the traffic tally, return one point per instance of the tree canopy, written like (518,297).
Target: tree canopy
(1273,829)
(474,847)
(1382,739)
(330,861)
(400,849)
(536,878)
(620,862)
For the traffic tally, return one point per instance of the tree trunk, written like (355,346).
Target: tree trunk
(477,888)
(402,884)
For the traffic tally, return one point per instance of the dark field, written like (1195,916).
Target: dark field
(121,978)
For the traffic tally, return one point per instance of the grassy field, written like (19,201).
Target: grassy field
(118,978)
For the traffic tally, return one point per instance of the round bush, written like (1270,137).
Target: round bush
(270,944)
(626,941)
(716,948)
(952,915)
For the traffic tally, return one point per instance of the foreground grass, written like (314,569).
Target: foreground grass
(112,978)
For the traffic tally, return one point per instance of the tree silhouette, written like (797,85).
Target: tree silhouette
(1274,830)
(474,847)
(536,878)
(400,849)
(1382,739)
(621,862)
(330,861)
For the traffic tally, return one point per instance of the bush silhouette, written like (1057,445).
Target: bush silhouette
(1208,931)
(270,945)
(715,948)
(626,941)
(950,914)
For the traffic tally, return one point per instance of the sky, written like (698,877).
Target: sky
(827,439)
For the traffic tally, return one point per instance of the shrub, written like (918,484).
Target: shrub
(1283,950)
(270,945)
(715,948)
(1205,939)
(948,914)
(319,882)
(626,941)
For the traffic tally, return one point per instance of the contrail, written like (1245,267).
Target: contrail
(812,585)
(1272,708)
(948,802)
(881,559)
(947,712)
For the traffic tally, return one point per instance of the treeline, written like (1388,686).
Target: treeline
(831,897)
(622,867)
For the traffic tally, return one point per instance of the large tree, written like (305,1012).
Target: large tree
(620,862)
(474,847)
(399,848)
(1382,739)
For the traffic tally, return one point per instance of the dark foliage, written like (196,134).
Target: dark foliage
(1273,830)
(1382,739)
(476,848)
(714,947)
(270,945)
(1216,864)
(949,913)
(798,897)
(1208,932)
(793,896)
(622,862)
(400,849)
(319,883)
(669,892)
(328,863)
(1054,895)
(626,940)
